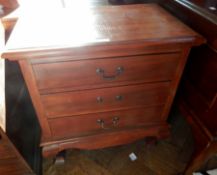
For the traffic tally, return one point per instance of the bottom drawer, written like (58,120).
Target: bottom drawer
(88,124)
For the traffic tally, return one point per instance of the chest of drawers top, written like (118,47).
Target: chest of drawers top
(75,31)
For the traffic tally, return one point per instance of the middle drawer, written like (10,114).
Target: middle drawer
(107,99)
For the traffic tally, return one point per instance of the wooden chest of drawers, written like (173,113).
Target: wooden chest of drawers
(102,77)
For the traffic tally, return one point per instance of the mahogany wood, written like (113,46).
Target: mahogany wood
(198,19)
(107,139)
(8,6)
(122,119)
(206,144)
(56,76)
(9,3)
(68,91)
(11,161)
(175,82)
(107,99)
(198,93)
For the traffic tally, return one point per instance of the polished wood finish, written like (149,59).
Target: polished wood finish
(100,122)
(83,73)
(11,161)
(198,93)
(107,99)
(117,25)
(206,145)
(167,157)
(107,139)
(9,3)
(203,22)
(8,7)
(118,62)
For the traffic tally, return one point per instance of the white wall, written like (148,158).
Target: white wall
(2,81)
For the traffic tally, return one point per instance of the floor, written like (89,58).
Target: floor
(167,157)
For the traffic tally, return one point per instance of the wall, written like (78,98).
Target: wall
(2,82)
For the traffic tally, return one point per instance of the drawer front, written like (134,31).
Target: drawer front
(100,122)
(107,99)
(88,74)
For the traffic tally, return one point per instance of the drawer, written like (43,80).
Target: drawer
(87,74)
(107,99)
(100,122)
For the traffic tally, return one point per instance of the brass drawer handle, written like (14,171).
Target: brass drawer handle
(101,72)
(119,97)
(102,124)
(99,99)
(115,121)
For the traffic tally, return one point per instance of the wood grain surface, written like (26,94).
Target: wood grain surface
(67,64)
(57,76)
(11,161)
(84,102)
(94,26)
(122,119)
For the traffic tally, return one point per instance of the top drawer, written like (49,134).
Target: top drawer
(105,72)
